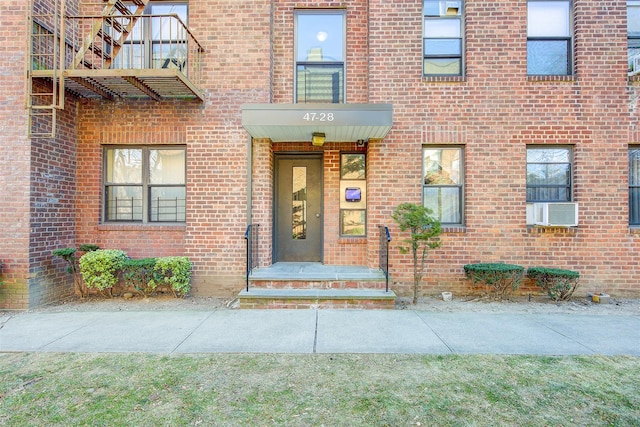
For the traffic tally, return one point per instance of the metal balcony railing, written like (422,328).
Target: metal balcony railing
(119,56)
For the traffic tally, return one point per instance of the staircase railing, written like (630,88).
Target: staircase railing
(385,238)
(110,44)
(251,237)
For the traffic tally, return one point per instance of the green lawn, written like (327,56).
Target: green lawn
(44,389)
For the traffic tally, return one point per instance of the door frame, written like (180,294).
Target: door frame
(276,193)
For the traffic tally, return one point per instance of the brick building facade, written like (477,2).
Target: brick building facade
(515,112)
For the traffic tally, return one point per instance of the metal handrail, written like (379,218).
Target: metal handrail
(385,238)
(251,237)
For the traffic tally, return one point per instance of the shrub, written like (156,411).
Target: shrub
(100,268)
(502,278)
(174,272)
(138,274)
(559,284)
(88,247)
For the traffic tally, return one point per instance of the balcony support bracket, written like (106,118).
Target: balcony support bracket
(138,84)
(94,88)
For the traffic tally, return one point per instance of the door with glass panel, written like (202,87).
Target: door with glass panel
(298,209)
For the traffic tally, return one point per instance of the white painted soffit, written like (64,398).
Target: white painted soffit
(297,122)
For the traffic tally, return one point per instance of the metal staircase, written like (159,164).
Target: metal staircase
(91,56)
(47,52)
(107,36)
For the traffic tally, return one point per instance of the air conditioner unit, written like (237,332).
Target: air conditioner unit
(556,214)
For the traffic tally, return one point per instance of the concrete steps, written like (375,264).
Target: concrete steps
(317,298)
(314,285)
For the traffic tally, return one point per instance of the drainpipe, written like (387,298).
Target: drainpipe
(249,178)
(369,51)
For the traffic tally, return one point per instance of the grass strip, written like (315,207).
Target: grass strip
(49,389)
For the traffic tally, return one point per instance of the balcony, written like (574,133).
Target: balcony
(115,56)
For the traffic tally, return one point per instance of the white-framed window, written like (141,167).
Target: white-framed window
(145,183)
(442,183)
(549,174)
(549,37)
(320,55)
(442,38)
(633,36)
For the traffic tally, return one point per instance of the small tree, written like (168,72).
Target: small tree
(70,256)
(424,230)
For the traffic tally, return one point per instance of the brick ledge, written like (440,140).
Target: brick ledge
(141,227)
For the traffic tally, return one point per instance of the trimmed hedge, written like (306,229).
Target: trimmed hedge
(501,278)
(138,274)
(174,272)
(100,268)
(558,283)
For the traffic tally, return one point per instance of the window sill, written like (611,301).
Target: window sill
(634,230)
(552,78)
(352,240)
(454,229)
(541,229)
(141,227)
(444,79)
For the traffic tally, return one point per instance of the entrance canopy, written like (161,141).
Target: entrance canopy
(298,122)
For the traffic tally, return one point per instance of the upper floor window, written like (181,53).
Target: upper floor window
(145,184)
(633,35)
(320,55)
(157,41)
(549,37)
(442,183)
(442,43)
(549,172)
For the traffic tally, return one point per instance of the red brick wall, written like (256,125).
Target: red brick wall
(14,158)
(53,209)
(38,177)
(235,35)
(261,199)
(495,112)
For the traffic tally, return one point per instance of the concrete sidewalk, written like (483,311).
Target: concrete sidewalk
(320,331)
